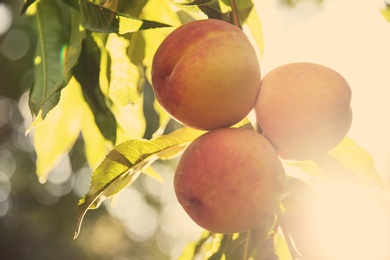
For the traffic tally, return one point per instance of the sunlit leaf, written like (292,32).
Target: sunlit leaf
(124,164)
(125,76)
(151,172)
(60,129)
(87,72)
(386,13)
(131,121)
(158,10)
(346,161)
(255,30)
(358,161)
(58,48)
(26,5)
(257,243)
(100,19)
(104,82)
(95,145)
(210,8)
(153,38)
(281,248)
(136,50)
(164,118)
(206,246)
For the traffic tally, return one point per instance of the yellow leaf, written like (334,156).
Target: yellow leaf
(131,121)
(164,118)
(347,161)
(386,13)
(95,145)
(281,248)
(159,11)
(103,79)
(125,76)
(150,171)
(358,161)
(254,31)
(59,130)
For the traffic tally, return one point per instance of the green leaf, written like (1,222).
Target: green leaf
(87,72)
(210,8)
(124,164)
(59,131)
(72,3)
(97,18)
(58,49)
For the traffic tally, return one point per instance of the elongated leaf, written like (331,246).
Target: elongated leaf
(346,160)
(255,29)
(59,131)
(386,13)
(257,243)
(125,77)
(72,3)
(152,173)
(358,161)
(87,72)
(100,19)
(209,7)
(193,249)
(95,145)
(131,121)
(58,48)
(25,6)
(124,164)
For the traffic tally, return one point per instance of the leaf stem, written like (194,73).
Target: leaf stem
(235,18)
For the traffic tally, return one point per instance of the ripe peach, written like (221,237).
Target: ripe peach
(230,180)
(206,74)
(304,109)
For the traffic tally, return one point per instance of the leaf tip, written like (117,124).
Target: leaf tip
(76,234)
(42,179)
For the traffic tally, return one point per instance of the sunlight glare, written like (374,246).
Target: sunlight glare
(351,223)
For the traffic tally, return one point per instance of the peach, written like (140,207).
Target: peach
(206,74)
(230,180)
(304,109)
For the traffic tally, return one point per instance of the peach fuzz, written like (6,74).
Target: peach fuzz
(304,109)
(206,74)
(230,180)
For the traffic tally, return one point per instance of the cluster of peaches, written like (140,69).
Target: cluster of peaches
(206,75)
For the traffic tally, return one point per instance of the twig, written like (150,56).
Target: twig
(235,18)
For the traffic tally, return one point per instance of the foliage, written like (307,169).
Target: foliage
(92,65)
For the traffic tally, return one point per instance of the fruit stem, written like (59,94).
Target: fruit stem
(235,18)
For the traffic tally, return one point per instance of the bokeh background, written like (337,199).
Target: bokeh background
(145,221)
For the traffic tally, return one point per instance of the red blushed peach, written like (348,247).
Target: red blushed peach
(206,74)
(304,109)
(230,180)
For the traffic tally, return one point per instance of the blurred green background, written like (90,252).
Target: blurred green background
(37,220)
